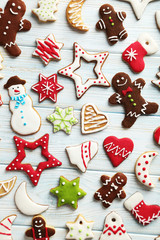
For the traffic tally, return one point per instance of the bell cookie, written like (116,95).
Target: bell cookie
(6,227)
(112,23)
(6,186)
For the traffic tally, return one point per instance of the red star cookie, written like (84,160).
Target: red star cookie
(34,175)
(47,87)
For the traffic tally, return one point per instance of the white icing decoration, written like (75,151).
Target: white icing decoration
(133,114)
(142,166)
(148,43)
(81,154)
(158,18)
(80,229)
(131,55)
(25,204)
(46,10)
(92,119)
(6,232)
(109,147)
(1,66)
(144,107)
(138,85)
(14,13)
(69,71)
(24,114)
(157,82)
(6,186)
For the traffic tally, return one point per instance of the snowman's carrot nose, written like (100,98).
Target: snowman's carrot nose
(16,90)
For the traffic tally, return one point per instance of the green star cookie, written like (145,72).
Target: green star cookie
(68,192)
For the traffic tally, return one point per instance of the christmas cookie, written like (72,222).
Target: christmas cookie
(63,119)
(156,135)
(48,49)
(25,204)
(46,9)
(47,87)
(92,120)
(157,82)
(39,229)
(118,149)
(70,70)
(134,54)
(17,165)
(68,192)
(74,15)
(7,186)
(142,166)
(80,155)
(112,22)
(114,228)
(6,227)
(112,188)
(1,102)
(158,18)
(11,22)
(144,213)
(80,229)
(1,66)
(129,95)
(25,120)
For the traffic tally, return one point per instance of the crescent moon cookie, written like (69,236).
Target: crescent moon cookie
(7,186)
(74,15)
(6,227)
(46,9)
(92,120)
(80,155)
(158,19)
(142,168)
(25,204)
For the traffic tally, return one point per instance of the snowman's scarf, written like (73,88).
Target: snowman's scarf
(19,100)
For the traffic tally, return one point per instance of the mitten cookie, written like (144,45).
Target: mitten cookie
(112,22)
(129,95)
(11,22)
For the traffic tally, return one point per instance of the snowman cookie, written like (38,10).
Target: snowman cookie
(40,230)
(25,120)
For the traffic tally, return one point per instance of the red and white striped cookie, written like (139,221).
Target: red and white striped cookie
(6,227)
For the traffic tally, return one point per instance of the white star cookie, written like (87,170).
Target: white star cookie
(45,10)
(81,229)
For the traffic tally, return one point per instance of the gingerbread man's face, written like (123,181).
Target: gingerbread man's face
(38,223)
(120,179)
(16,8)
(106,9)
(121,81)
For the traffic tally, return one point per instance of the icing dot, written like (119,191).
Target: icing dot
(63,183)
(114,226)
(154,154)
(57,191)
(139,173)
(109,234)
(143,168)
(62,200)
(9,22)
(150,184)
(146,162)
(120,233)
(145,176)
(74,184)
(122,225)
(144,156)
(139,164)
(79,193)
(73,202)
(144,181)
(4,33)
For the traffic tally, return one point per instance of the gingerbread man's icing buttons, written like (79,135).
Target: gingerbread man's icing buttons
(112,188)
(112,23)
(129,95)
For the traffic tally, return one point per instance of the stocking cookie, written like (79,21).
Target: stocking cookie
(46,9)
(6,227)
(112,188)
(39,229)
(158,19)
(25,120)
(129,95)
(114,228)
(112,22)
(11,22)
(134,54)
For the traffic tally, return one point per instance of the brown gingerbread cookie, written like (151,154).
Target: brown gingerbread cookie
(112,188)
(39,230)
(129,95)
(11,22)
(112,22)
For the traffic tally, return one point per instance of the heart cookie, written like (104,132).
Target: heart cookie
(118,149)
(92,120)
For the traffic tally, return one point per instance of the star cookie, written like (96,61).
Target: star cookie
(80,229)
(68,192)
(48,49)
(34,175)
(157,82)
(47,87)
(69,71)
(63,119)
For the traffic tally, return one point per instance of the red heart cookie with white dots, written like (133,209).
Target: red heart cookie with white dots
(118,149)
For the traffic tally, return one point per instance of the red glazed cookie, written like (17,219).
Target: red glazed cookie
(129,95)
(118,149)
(112,22)
(11,22)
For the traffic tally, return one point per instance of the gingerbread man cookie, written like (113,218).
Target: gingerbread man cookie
(112,23)
(129,95)
(11,22)
(112,188)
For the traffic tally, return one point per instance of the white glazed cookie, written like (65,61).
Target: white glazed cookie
(74,14)
(158,18)
(46,9)
(81,229)
(80,155)
(24,204)
(142,166)
(7,186)
(6,227)
(114,228)
(92,120)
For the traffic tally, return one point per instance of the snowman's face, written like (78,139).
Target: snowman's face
(16,90)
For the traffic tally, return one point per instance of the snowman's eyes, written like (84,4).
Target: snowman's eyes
(17,87)
(13,4)
(13,88)
(19,7)
(117,81)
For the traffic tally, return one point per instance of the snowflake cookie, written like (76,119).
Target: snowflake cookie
(63,119)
